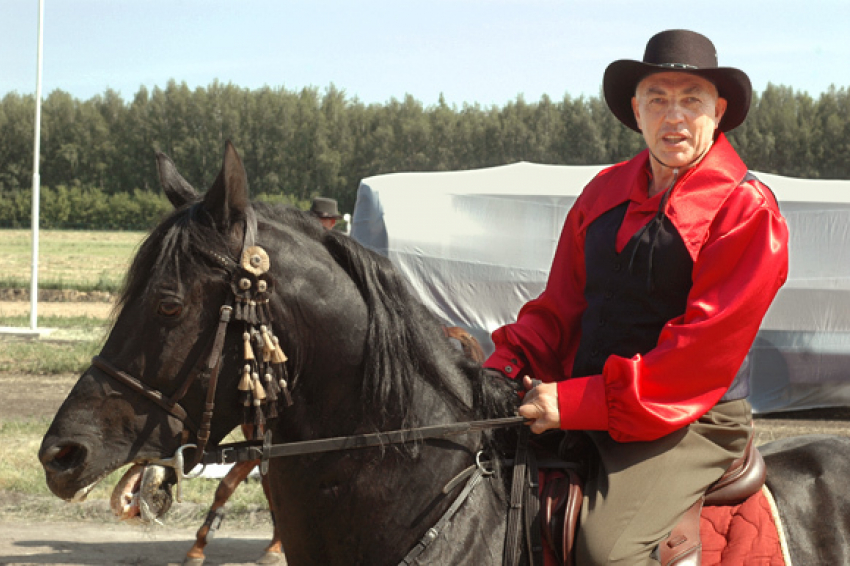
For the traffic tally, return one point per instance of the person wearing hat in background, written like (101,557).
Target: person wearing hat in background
(325,209)
(663,272)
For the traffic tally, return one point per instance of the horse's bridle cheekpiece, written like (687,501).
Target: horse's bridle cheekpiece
(251,285)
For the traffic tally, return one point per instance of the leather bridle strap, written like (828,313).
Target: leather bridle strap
(432,533)
(211,371)
(253,450)
(169,404)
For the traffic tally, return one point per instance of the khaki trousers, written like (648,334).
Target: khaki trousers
(639,490)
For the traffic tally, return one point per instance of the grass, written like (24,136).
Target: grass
(80,322)
(68,259)
(47,356)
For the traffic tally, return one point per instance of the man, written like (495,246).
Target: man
(664,270)
(325,209)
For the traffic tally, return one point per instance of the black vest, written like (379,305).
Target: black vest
(630,295)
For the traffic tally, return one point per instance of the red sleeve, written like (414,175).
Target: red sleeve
(736,275)
(544,338)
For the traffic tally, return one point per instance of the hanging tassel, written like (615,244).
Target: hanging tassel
(245,387)
(268,344)
(284,388)
(259,421)
(259,399)
(245,382)
(272,387)
(271,394)
(249,351)
(278,357)
(252,313)
(257,338)
(237,313)
(258,389)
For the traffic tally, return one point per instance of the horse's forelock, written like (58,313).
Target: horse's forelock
(171,245)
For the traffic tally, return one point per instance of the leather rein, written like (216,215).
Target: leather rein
(256,450)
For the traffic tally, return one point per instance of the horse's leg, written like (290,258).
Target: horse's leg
(274,551)
(228,484)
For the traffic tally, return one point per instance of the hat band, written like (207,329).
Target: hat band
(676,65)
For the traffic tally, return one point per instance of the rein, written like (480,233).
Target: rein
(254,450)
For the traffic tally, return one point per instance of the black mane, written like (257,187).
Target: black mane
(403,339)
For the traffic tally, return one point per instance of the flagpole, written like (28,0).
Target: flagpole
(36,179)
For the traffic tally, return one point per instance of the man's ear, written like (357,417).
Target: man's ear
(636,110)
(719,110)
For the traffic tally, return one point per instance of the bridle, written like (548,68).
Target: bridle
(207,374)
(264,450)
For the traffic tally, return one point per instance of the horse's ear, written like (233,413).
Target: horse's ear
(176,188)
(228,199)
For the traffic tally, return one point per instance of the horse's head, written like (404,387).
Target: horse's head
(233,309)
(216,271)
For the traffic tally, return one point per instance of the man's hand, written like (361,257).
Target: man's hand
(540,405)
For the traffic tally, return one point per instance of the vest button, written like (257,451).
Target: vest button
(509,369)
(617,266)
(594,353)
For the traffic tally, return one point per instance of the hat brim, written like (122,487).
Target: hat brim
(622,77)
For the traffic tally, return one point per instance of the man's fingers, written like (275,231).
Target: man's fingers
(530,411)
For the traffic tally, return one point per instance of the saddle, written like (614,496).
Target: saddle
(561,497)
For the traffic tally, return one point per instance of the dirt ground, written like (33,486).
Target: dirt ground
(99,309)
(73,544)
(24,542)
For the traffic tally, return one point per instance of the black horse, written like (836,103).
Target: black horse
(357,353)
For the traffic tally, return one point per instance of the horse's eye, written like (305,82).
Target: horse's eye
(170,308)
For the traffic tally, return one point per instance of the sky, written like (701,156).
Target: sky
(485,52)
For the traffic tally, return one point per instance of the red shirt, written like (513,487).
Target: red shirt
(738,241)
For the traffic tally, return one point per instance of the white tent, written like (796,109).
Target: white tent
(476,245)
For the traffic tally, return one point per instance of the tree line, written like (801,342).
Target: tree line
(97,166)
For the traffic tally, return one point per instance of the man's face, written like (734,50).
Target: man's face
(677,113)
(328,223)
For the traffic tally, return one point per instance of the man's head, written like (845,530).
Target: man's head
(325,209)
(677,52)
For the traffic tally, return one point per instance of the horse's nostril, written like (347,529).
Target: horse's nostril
(64,457)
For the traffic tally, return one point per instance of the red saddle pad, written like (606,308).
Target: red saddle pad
(743,535)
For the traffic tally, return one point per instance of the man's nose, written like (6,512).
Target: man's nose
(675,113)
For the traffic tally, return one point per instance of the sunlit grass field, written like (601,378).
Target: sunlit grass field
(68,259)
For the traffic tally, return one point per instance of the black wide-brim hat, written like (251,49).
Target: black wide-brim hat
(325,208)
(677,50)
